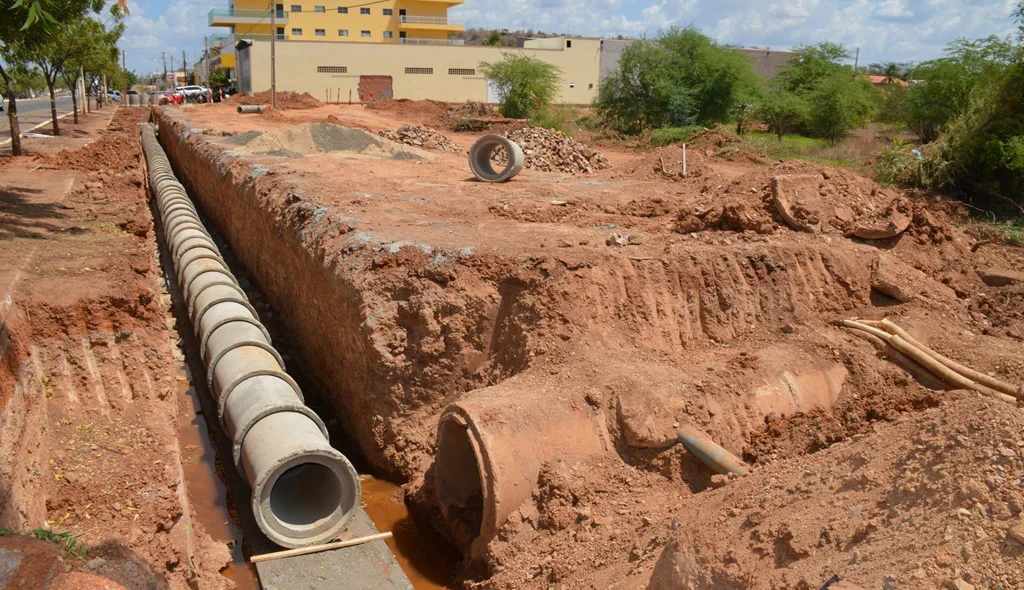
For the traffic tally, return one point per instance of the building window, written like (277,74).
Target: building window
(319,9)
(419,70)
(388,12)
(461,72)
(342,10)
(296,8)
(280,33)
(343,32)
(296,32)
(364,11)
(590,86)
(388,34)
(568,44)
(320,32)
(364,33)
(332,69)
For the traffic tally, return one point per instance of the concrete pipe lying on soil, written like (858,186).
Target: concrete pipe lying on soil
(491,445)
(480,158)
(303,491)
(251,108)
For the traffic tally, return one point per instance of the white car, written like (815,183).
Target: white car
(191,91)
(114,95)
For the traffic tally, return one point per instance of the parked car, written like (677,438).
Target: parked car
(114,95)
(191,90)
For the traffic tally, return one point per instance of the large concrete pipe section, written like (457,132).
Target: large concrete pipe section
(251,108)
(492,443)
(303,491)
(483,167)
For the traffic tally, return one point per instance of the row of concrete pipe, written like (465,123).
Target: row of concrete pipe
(304,492)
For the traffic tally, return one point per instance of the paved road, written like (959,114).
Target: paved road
(32,112)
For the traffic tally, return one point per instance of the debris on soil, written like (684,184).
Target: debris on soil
(472,116)
(422,137)
(665,162)
(552,151)
(423,112)
(285,100)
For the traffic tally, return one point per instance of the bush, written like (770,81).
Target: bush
(839,103)
(557,117)
(781,111)
(670,135)
(679,79)
(525,85)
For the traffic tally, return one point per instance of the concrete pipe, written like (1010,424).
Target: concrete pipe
(480,158)
(252,108)
(492,443)
(298,481)
(303,491)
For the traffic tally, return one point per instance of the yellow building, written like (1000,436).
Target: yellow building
(416,22)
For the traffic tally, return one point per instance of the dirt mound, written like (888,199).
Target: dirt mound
(665,162)
(472,116)
(553,151)
(112,151)
(312,138)
(285,100)
(424,112)
(421,137)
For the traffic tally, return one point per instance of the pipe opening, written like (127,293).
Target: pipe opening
(305,496)
(459,482)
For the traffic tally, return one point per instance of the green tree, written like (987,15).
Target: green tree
(782,111)
(493,39)
(678,79)
(948,83)
(812,65)
(526,85)
(95,55)
(840,103)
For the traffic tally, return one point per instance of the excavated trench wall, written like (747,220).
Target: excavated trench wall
(381,326)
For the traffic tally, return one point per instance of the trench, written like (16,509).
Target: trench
(217,490)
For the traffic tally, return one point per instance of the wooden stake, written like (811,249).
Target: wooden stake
(318,548)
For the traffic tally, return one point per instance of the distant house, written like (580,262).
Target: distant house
(884,80)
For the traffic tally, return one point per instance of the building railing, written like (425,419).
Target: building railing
(423,20)
(249,14)
(226,43)
(418,41)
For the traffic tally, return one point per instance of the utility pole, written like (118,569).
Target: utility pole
(163,56)
(124,70)
(273,56)
(184,69)
(856,60)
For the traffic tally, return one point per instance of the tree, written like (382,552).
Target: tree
(680,78)
(948,83)
(493,40)
(781,110)
(96,53)
(839,103)
(812,65)
(525,85)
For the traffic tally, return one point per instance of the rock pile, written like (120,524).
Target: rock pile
(553,151)
(422,137)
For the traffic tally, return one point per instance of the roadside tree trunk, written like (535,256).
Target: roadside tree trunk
(53,106)
(12,113)
(74,101)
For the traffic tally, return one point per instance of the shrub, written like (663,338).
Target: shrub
(838,104)
(679,79)
(525,85)
(781,110)
(669,135)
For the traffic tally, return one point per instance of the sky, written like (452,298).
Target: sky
(885,30)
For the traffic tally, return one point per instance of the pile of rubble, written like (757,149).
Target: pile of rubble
(421,136)
(552,151)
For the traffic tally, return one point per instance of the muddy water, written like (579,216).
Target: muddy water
(208,493)
(426,558)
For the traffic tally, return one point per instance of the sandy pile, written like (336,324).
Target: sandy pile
(313,138)
(285,100)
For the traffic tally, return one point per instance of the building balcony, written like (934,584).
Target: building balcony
(428,23)
(424,41)
(226,17)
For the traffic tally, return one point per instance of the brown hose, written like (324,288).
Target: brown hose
(928,362)
(923,376)
(968,372)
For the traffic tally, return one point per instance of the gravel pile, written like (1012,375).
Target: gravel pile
(422,137)
(553,151)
